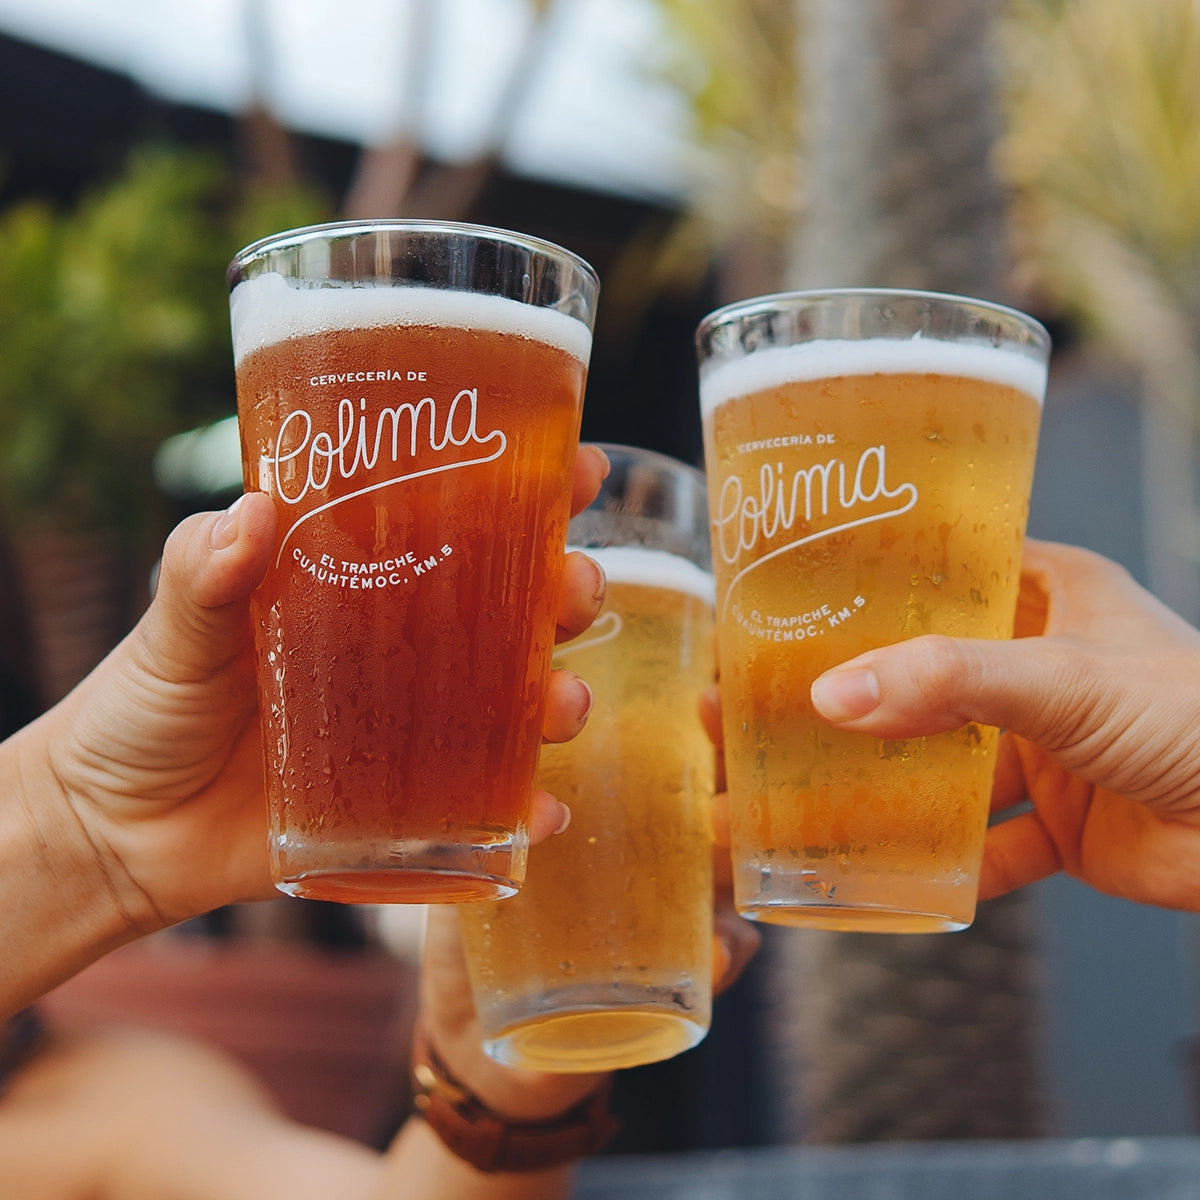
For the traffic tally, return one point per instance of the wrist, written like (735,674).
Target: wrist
(491,1139)
(77,807)
(101,803)
(60,910)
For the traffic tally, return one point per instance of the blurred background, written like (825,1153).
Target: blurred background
(1045,153)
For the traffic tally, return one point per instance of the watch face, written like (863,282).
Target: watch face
(429,1081)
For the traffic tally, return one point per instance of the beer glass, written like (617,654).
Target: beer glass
(869,457)
(409,396)
(604,960)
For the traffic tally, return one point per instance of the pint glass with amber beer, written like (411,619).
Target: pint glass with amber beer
(409,396)
(869,457)
(604,960)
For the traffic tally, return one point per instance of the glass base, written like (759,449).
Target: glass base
(859,901)
(562,1032)
(403,873)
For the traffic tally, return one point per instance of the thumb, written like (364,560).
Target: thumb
(210,565)
(932,684)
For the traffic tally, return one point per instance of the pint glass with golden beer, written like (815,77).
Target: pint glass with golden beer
(869,458)
(409,396)
(604,959)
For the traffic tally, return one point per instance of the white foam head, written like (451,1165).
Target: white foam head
(721,381)
(652,568)
(267,310)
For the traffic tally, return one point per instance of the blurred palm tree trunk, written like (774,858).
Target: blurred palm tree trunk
(901,122)
(393,179)
(267,146)
(904,1037)
(386,172)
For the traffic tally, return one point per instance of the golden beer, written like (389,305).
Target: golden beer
(418,444)
(604,959)
(861,492)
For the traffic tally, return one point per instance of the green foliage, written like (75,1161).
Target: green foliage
(735,63)
(114,333)
(1103,151)
(736,59)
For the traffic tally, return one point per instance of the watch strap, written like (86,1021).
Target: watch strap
(490,1141)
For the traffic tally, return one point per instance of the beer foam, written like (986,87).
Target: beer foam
(267,310)
(777,365)
(652,568)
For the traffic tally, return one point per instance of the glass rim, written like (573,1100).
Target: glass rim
(340,230)
(654,458)
(780,300)
(675,522)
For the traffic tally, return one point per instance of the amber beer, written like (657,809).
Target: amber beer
(604,960)
(863,490)
(418,444)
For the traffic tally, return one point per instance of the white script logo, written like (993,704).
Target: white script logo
(833,488)
(305,459)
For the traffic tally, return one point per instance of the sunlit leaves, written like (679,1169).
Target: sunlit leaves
(1104,143)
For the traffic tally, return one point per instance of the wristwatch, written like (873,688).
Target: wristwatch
(490,1141)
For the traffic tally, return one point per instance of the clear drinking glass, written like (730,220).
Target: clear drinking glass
(409,395)
(869,457)
(605,958)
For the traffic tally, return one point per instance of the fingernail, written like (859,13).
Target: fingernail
(846,694)
(591,699)
(224,532)
(601,588)
(564,820)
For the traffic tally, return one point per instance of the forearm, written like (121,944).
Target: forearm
(56,914)
(418,1166)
